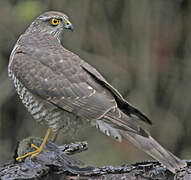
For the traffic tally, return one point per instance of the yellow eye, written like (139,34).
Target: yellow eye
(55,22)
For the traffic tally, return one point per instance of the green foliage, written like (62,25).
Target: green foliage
(28,10)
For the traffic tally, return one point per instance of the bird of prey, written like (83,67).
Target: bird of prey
(59,88)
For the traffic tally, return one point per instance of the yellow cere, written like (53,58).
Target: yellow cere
(55,21)
(68,22)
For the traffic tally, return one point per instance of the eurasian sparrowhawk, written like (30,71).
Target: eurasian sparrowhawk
(59,88)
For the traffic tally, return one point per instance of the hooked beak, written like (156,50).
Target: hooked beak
(68,25)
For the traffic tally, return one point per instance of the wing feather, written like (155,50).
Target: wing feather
(126,107)
(61,77)
(67,89)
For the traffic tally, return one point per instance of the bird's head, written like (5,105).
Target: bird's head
(51,22)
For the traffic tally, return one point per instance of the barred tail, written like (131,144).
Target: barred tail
(142,139)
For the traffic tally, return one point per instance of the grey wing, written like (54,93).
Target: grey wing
(63,83)
(123,105)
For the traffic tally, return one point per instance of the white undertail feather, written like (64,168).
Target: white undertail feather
(107,129)
(128,129)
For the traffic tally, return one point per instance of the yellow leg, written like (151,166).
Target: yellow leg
(38,149)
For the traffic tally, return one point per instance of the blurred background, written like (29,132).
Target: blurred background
(143,48)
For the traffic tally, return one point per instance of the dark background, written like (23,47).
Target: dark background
(142,47)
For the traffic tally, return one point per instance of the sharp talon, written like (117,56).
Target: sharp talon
(24,156)
(34,146)
(38,150)
(33,154)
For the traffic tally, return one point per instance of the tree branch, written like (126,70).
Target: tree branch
(55,162)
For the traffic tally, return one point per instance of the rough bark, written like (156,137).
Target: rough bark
(55,162)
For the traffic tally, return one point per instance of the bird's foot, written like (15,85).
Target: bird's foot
(38,150)
(33,154)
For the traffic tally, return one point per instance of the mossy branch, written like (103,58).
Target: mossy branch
(55,163)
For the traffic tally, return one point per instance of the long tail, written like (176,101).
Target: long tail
(140,138)
(154,149)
